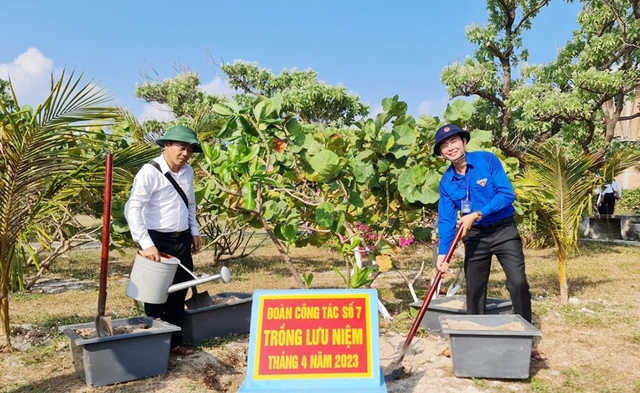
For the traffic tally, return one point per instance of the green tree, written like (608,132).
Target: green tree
(5,95)
(312,101)
(182,94)
(577,96)
(557,188)
(313,184)
(37,163)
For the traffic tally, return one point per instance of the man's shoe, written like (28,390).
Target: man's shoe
(181,351)
(538,356)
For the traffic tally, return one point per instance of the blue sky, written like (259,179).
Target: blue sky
(375,48)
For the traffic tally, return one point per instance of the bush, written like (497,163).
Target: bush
(629,203)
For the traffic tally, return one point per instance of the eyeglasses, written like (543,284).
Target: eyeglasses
(451,142)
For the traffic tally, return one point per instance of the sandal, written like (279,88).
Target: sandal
(181,351)
(538,356)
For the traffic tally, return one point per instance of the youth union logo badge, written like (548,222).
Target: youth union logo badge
(482,182)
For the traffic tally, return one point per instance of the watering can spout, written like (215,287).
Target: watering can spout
(225,275)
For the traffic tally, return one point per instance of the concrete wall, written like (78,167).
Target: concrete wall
(629,130)
(611,227)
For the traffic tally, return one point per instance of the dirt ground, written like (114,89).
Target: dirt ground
(592,344)
(224,369)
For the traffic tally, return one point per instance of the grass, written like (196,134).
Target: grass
(592,342)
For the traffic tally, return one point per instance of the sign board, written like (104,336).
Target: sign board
(314,341)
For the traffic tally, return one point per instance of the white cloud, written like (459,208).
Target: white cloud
(156,111)
(433,107)
(30,74)
(375,110)
(218,87)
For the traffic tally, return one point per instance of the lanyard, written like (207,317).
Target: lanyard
(468,176)
(465,204)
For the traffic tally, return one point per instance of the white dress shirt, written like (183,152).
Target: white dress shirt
(154,204)
(609,189)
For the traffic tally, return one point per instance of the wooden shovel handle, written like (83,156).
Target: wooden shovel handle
(106,226)
(432,289)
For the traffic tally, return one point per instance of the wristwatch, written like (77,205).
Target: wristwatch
(479,215)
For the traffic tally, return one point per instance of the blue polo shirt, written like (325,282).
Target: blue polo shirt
(489,190)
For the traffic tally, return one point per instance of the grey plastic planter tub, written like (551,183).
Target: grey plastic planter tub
(231,317)
(439,307)
(503,354)
(122,357)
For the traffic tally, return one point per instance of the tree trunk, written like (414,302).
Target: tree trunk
(281,250)
(564,285)
(5,340)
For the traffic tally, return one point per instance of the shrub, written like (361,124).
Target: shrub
(629,203)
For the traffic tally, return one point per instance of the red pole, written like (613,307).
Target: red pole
(106,225)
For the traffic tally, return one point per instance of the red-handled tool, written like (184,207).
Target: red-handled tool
(393,370)
(103,324)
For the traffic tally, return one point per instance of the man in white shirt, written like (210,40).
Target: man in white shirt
(163,220)
(609,194)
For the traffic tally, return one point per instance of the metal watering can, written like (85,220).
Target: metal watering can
(150,281)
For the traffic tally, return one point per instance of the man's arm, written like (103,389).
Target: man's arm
(140,195)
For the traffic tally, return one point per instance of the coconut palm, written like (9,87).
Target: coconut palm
(558,187)
(40,154)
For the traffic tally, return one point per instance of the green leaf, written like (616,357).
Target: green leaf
(247,156)
(421,233)
(222,109)
(363,172)
(355,199)
(338,222)
(258,111)
(459,111)
(383,247)
(325,164)
(404,135)
(352,245)
(427,122)
(388,141)
(247,196)
(362,276)
(419,184)
(335,269)
(289,231)
(276,104)
(325,214)
(272,209)
(399,153)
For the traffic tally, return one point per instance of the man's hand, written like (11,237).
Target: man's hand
(196,245)
(151,253)
(467,222)
(441,264)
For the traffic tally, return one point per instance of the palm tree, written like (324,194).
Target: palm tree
(558,186)
(38,159)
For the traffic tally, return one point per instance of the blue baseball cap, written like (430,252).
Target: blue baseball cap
(446,131)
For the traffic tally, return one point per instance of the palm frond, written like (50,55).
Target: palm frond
(39,153)
(564,188)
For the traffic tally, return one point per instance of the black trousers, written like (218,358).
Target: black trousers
(608,204)
(173,310)
(481,244)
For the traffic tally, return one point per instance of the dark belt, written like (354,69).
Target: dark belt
(497,224)
(172,234)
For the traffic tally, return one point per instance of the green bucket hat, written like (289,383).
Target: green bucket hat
(181,134)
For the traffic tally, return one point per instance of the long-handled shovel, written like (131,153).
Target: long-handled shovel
(393,370)
(103,324)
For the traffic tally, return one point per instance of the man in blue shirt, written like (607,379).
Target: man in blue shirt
(476,193)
